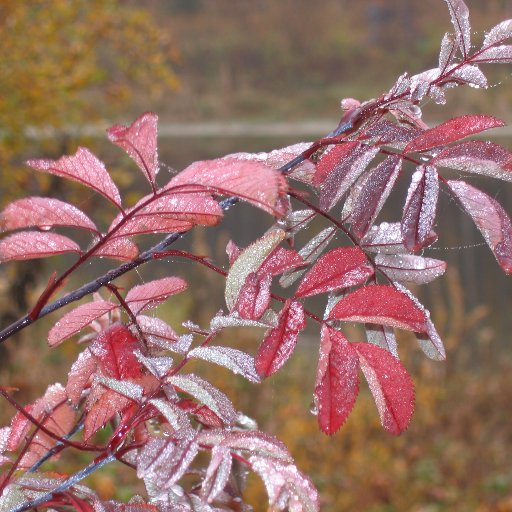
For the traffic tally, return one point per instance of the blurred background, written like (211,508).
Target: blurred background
(232,75)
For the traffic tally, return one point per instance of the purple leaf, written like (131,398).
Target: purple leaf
(452,130)
(83,167)
(460,20)
(408,268)
(490,218)
(420,208)
(153,293)
(337,380)
(43,213)
(28,245)
(139,140)
(78,318)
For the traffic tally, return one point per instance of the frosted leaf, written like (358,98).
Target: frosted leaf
(402,84)
(408,268)
(250,259)
(165,461)
(309,253)
(498,34)
(447,52)
(123,387)
(219,322)
(429,341)
(79,377)
(28,245)
(383,337)
(257,443)
(391,133)
(287,487)
(490,218)
(254,296)
(296,220)
(118,249)
(156,330)
(420,208)
(495,55)
(78,318)
(372,194)
(153,293)
(460,20)
(207,394)
(44,213)
(158,366)
(235,360)
(182,344)
(479,157)
(217,473)
(384,238)
(343,175)
(139,140)
(337,380)
(172,413)
(390,384)
(420,83)
(470,75)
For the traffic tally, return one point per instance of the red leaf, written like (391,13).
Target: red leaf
(373,194)
(78,318)
(332,158)
(390,384)
(118,249)
(420,208)
(114,352)
(452,130)
(279,342)
(169,213)
(83,167)
(79,377)
(28,245)
(156,329)
(339,268)
(149,295)
(254,296)
(380,304)
(337,380)
(43,213)
(249,180)
(490,218)
(139,140)
(280,260)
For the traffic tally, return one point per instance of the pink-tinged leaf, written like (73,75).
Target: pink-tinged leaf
(280,260)
(408,268)
(122,249)
(156,330)
(448,49)
(250,260)
(332,158)
(452,130)
(279,342)
(28,245)
(207,394)
(251,181)
(153,293)
(114,353)
(337,380)
(340,268)
(139,140)
(254,297)
(390,384)
(83,167)
(233,251)
(372,194)
(466,75)
(43,213)
(479,157)
(79,377)
(380,304)
(309,253)
(495,55)
(498,34)
(235,360)
(490,218)
(217,473)
(344,173)
(391,133)
(384,238)
(383,337)
(287,487)
(167,214)
(78,318)
(420,208)
(162,462)
(460,20)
